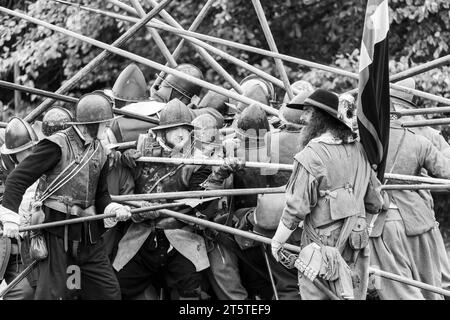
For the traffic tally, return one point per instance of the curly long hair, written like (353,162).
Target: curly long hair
(322,122)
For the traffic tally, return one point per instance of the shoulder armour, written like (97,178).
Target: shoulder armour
(60,138)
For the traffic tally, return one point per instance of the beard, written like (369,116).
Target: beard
(310,131)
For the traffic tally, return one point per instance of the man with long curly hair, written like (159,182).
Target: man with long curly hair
(331,188)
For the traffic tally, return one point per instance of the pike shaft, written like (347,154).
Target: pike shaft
(94,218)
(196,194)
(425,123)
(411,282)
(91,65)
(69,99)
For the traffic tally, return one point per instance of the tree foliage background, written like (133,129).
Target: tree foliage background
(324,31)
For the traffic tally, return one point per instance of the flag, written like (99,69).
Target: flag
(373,95)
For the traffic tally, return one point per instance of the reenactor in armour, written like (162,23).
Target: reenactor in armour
(129,87)
(19,142)
(56,119)
(173,87)
(406,240)
(283,144)
(213,104)
(407,101)
(257,89)
(156,249)
(243,275)
(404,101)
(331,202)
(130,93)
(73,167)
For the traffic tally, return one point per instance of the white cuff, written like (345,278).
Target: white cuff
(282,234)
(112,207)
(7,215)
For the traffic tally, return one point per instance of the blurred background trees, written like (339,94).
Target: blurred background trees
(324,31)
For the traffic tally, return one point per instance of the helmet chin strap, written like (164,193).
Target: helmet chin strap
(84,134)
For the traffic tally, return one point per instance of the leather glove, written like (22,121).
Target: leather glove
(129,158)
(232,164)
(10,221)
(148,215)
(10,230)
(122,213)
(281,235)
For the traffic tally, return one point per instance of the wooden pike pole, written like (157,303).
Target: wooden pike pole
(431,187)
(19,278)
(256,237)
(209,162)
(425,123)
(197,21)
(162,26)
(95,62)
(278,166)
(421,68)
(143,61)
(254,191)
(411,282)
(155,35)
(404,74)
(38,92)
(272,45)
(94,218)
(69,99)
(210,60)
(196,194)
(421,111)
(206,46)
(403,177)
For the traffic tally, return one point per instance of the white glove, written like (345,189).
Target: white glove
(122,212)
(281,235)
(10,221)
(10,230)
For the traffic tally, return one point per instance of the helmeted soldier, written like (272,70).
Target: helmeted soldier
(130,87)
(243,275)
(172,87)
(331,202)
(257,89)
(215,101)
(56,119)
(19,142)
(212,104)
(406,101)
(207,139)
(152,244)
(406,239)
(282,145)
(73,168)
(298,87)
(130,93)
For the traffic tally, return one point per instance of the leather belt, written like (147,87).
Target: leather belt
(328,228)
(63,207)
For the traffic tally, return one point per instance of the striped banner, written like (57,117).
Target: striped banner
(373,95)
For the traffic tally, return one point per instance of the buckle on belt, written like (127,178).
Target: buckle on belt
(65,199)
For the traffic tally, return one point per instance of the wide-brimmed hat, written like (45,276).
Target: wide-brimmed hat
(328,102)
